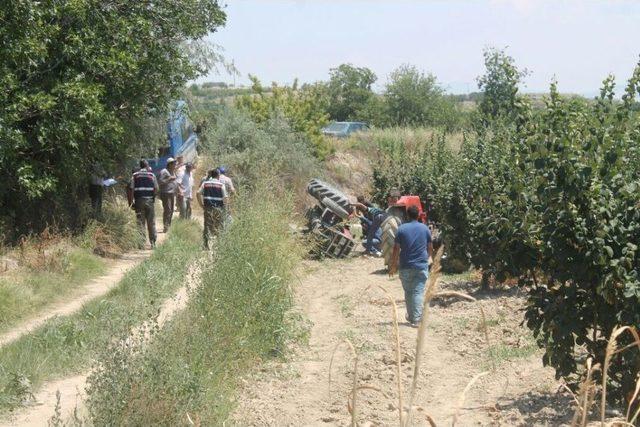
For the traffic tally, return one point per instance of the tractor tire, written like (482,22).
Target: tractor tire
(321,190)
(389,229)
(335,208)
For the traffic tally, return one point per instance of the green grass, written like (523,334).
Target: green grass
(68,345)
(345,303)
(237,318)
(24,292)
(501,353)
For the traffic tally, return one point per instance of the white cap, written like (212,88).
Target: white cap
(170,160)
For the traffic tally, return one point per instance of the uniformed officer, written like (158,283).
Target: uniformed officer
(144,188)
(212,197)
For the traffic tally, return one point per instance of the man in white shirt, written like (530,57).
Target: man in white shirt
(226,180)
(186,188)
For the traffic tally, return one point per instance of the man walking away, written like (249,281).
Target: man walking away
(186,186)
(411,252)
(168,190)
(212,197)
(144,188)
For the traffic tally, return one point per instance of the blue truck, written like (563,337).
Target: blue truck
(182,139)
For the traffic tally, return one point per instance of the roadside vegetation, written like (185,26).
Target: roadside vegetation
(238,316)
(68,345)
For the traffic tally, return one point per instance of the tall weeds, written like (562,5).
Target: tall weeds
(238,316)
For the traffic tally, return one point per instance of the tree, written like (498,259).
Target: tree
(499,85)
(74,75)
(349,90)
(416,99)
(303,109)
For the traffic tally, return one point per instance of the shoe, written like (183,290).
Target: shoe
(153,245)
(377,254)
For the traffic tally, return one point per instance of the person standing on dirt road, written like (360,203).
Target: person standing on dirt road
(168,190)
(143,190)
(411,252)
(180,169)
(186,187)
(212,197)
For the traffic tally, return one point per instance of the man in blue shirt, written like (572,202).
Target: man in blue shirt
(411,254)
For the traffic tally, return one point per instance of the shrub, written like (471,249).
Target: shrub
(254,151)
(115,233)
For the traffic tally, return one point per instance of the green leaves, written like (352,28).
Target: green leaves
(74,76)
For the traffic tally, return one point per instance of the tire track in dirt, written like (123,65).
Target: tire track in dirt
(72,389)
(335,298)
(94,289)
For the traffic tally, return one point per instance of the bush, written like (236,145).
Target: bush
(115,233)
(237,316)
(253,151)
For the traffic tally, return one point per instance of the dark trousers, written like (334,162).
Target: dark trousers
(168,206)
(146,213)
(213,220)
(95,194)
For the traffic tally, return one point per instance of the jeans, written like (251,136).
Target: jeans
(373,229)
(413,283)
(168,206)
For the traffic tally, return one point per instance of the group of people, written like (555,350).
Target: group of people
(411,251)
(174,186)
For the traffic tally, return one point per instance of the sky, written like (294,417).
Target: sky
(577,42)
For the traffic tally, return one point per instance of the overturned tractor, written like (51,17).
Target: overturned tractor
(327,221)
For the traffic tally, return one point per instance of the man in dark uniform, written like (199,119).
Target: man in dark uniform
(143,190)
(212,197)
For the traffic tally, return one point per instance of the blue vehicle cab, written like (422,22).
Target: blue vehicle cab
(182,139)
(344,129)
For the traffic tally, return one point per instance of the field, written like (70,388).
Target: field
(532,305)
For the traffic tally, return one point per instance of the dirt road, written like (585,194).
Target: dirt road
(71,390)
(83,294)
(334,297)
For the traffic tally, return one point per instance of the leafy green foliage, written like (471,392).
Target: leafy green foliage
(550,198)
(349,91)
(301,107)
(73,75)
(499,85)
(415,99)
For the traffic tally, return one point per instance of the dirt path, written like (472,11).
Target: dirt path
(83,294)
(335,298)
(71,390)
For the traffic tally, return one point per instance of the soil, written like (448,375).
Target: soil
(342,302)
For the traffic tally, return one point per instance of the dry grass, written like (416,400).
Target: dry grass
(422,329)
(463,395)
(612,349)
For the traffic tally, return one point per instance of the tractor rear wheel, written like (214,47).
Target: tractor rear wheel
(389,229)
